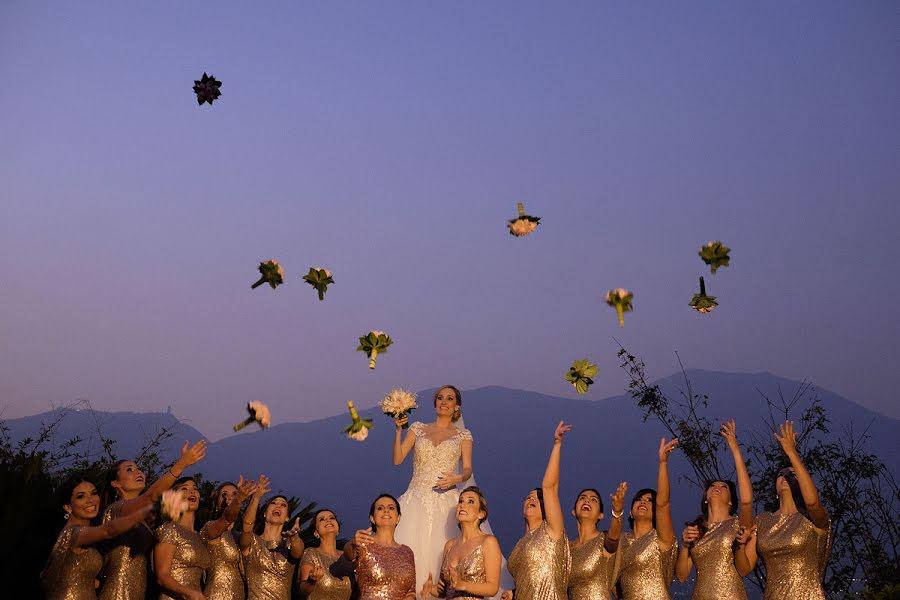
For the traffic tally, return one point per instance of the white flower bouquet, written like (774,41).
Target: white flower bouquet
(257,412)
(173,504)
(358,429)
(320,279)
(398,403)
(271,272)
(620,299)
(523,224)
(372,343)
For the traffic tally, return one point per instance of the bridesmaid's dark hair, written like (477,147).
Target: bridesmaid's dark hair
(540,495)
(732,490)
(372,508)
(312,524)
(599,499)
(636,497)
(112,474)
(67,488)
(215,507)
(260,524)
(792,482)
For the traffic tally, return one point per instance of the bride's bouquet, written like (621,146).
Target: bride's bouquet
(257,412)
(172,504)
(372,343)
(398,404)
(702,303)
(272,273)
(581,375)
(620,299)
(523,224)
(359,428)
(715,254)
(320,279)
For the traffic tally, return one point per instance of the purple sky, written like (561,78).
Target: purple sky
(390,141)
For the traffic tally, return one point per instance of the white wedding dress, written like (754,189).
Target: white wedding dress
(427,513)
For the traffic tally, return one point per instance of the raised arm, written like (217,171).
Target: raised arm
(401,449)
(665,531)
(262,488)
(550,486)
(611,543)
(745,488)
(245,489)
(189,456)
(88,536)
(817,513)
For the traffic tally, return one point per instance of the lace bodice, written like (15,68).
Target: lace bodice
(430,460)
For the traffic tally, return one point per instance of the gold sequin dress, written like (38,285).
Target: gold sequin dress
(191,558)
(713,555)
(593,570)
(470,568)
(540,565)
(70,571)
(645,571)
(795,553)
(125,565)
(225,579)
(385,572)
(328,587)
(270,571)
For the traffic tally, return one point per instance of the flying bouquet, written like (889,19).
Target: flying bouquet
(207,89)
(359,429)
(701,302)
(715,254)
(173,504)
(580,375)
(398,404)
(320,279)
(524,224)
(272,273)
(620,299)
(259,413)
(372,343)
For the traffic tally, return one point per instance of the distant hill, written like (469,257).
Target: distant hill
(513,431)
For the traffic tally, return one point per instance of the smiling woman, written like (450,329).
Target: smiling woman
(180,555)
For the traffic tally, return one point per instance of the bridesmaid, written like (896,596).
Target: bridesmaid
(224,580)
(269,557)
(540,562)
(73,565)
(316,582)
(470,568)
(795,541)
(648,552)
(595,554)
(712,542)
(385,569)
(125,565)
(180,556)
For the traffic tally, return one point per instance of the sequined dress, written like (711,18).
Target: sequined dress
(125,565)
(593,570)
(795,553)
(470,568)
(328,587)
(385,572)
(225,579)
(540,565)
(713,555)
(270,571)
(70,571)
(191,558)
(645,571)
(429,513)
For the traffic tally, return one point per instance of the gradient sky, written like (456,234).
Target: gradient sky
(389,142)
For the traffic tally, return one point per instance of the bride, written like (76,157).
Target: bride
(429,504)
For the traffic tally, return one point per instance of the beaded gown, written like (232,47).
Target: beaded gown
(191,558)
(713,555)
(540,565)
(225,579)
(125,565)
(385,572)
(429,513)
(70,571)
(328,587)
(795,553)
(270,570)
(470,568)
(645,571)
(593,570)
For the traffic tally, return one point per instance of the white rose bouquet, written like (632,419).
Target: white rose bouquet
(272,273)
(523,224)
(320,279)
(399,403)
(620,299)
(173,504)
(358,429)
(702,303)
(715,254)
(257,412)
(372,343)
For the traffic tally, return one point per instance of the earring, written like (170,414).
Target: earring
(316,535)
(457,413)
(67,515)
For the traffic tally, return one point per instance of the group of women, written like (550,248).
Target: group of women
(435,541)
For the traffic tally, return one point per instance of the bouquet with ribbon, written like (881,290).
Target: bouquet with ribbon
(359,428)
(259,413)
(701,302)
(581,375)
(320,279)
(715,254)
(372,343)
(523,224)
(620,299)
(207,89)
(272,273)
(399,403)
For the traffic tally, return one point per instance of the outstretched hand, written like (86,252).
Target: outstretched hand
(245,488)
(363,536)
(561,430)
(400,422)
(294,531)
(729,432)
(262,487)
(193,454)
(788,438)
(745,535)
(666,448)
(618,499)
(446,480)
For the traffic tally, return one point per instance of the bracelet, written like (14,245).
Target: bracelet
(618,516)
(172,473)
